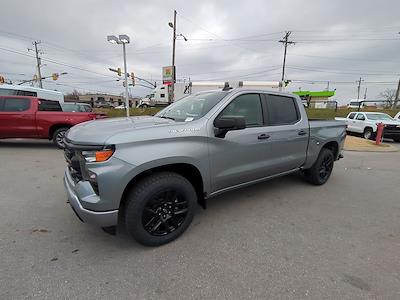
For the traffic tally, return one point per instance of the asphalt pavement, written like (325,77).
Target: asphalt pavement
(282,239)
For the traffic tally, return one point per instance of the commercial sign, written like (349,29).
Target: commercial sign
(168,75)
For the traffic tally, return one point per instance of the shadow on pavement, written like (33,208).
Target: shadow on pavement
(27,143)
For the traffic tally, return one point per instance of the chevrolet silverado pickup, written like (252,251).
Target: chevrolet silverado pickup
(149,172)
(31,117)
(365,123)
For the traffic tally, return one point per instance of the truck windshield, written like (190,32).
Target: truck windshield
(192,107)
(379,117)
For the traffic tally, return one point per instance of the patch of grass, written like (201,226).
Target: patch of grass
(115,113)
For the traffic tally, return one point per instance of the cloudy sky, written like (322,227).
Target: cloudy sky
(336,42)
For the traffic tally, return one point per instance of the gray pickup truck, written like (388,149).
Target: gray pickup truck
(149,173)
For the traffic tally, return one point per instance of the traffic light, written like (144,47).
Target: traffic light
(2,80)
(55,76)
(119,71)
(133,78)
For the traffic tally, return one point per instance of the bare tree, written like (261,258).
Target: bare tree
(390,96)
(73,96)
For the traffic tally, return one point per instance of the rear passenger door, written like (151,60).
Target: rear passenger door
(288,133)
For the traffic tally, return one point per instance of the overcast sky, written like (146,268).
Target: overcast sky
(336,41)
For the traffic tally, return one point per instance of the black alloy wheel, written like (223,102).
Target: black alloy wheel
(164,213)
(326,167)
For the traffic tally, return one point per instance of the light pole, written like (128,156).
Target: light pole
(173,26)
(174,35)
(122,39)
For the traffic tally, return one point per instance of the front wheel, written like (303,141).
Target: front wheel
(320,172)
(58,137)
(160,208)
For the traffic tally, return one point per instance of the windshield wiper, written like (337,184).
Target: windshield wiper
(165,117)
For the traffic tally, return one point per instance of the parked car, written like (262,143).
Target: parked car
(150,171)
(30,117)
(81,107)
(122,106)
(366,124)
(103,105)
(76,107)
(397,116)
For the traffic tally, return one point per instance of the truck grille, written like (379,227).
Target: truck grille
(74,166)
(394,128)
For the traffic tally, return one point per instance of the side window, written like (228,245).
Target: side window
(360,117)
(49,105)
(26,93)
(247,106)
(1,104)
(15,104)
(352,115)
(281,110)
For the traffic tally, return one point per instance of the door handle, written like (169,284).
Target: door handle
(302,132)
(263,136)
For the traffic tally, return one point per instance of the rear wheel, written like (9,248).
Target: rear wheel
(367,134)
(320,172)
(160,208)
(58,137)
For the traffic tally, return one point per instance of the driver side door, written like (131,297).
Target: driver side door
(239,157)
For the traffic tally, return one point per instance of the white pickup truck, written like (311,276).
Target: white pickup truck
(366,124)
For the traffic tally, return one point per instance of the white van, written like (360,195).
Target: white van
(20,90)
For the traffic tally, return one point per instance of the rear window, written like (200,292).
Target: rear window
(14,104)
(281,110)
(49,105)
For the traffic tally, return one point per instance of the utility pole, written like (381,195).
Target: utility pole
(38,61)
(173,59)
(396,98)
(359,87)
(285,41)
(365,93)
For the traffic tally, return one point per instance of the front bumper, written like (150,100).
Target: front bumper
(79,191)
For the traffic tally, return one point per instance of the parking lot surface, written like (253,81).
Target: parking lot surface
(279,239)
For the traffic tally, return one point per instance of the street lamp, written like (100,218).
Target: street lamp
(174,35)
(122,39)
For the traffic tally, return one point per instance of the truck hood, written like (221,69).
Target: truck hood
(99,131)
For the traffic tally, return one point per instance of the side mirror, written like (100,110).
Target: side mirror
(225,124)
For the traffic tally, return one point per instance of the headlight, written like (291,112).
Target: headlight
(98,155)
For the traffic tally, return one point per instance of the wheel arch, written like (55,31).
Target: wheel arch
(54,127)
(333,146)
(187,170)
